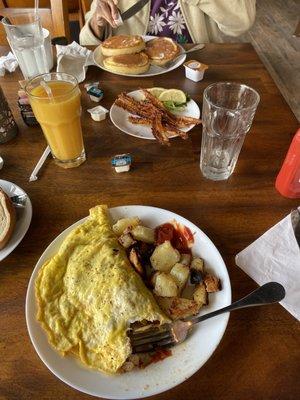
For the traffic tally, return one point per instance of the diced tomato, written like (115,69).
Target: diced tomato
(163,233)
(160,355)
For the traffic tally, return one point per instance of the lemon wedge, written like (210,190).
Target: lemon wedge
(175,95)
(156,91)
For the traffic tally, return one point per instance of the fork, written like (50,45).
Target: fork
(147,339)
(169,63)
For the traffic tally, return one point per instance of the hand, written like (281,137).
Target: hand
(105,13)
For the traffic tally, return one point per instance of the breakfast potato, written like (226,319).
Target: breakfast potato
(153,278)
(164,257)
(185,259)
(180,273)
(212,283)
(126,240)
(125,224)
(143,234)
(165,285)
(198,264)
(177,307)
(200,295)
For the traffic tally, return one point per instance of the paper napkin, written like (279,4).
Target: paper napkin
(74,59)
(8,62)
(275,256)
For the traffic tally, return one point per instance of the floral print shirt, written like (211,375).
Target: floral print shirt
(166,19)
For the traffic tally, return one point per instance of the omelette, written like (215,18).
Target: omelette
(88,294)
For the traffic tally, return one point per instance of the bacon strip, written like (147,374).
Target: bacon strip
(151,111)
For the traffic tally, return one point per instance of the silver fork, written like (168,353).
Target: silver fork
(169,63)
(146,339)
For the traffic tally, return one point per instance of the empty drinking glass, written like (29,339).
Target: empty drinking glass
(227,115)
(26,39)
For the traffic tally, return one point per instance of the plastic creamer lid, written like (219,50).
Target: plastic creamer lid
(197,65)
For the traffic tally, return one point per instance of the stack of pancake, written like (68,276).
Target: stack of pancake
(130,54)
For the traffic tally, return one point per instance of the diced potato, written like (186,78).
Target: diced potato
(126,240)
(153,278)
(125,223)
(200,295)
(143,234)
(135,261)
(212,283)
(198,264)
(165,285)
(164,257)
(185,259)
(177,307)
(180,273)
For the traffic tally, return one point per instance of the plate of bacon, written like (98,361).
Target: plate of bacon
(141,114)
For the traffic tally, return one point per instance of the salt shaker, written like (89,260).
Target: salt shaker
(288,179)
(8,126)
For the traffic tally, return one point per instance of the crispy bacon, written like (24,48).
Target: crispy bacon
(151,111)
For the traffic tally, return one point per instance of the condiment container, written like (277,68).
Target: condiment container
(288,179)
(98,113)
(194,70)
(8,126)
(95,93)
(121,162)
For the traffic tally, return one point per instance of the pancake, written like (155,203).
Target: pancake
(128,63)
(122,44)
(161,50)
(88,294)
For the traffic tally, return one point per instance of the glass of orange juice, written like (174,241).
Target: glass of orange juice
(55,101)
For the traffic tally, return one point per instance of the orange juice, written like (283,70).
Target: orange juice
(59,117)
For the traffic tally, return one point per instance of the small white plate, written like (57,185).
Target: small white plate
(119,117)
(186,359)
(152,71)
(24,216)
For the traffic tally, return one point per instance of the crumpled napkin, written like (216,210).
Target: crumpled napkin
(74,59)
(8,62)
(275,256)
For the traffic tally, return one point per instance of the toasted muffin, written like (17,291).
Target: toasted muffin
(162,50)
(122,44)
(7,219)
(128,63)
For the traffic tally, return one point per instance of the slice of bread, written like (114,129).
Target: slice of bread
(128,63)
(122,44)
(161,50)
(7,218)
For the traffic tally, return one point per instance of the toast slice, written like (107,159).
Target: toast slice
(7,219)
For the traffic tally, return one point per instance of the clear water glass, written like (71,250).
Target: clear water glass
(26,39)
(227,114)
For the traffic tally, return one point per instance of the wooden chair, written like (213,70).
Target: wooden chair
(84,7)
(54,15)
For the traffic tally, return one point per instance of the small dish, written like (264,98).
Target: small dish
(24,216)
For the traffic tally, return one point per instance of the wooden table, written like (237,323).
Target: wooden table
(259,356)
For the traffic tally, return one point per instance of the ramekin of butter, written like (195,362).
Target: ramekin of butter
(194,70)
(121,162)
(98,113)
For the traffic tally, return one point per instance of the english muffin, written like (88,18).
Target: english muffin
(127,63)
(122,44)
(162,50)
(7,219)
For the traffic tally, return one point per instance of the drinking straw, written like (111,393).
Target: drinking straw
(33,176)
(47,90)
(36,7)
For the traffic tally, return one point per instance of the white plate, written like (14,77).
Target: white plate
(152,71)
(23,218)
(187,358)
(119,117)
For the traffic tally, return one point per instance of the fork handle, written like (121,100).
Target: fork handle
(197,47)
(268,293)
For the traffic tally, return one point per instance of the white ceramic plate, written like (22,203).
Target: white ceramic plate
(152,71)
(23,218)
(187,358)
(119,118)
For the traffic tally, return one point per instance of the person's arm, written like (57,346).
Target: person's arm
(233,17)
(99,20)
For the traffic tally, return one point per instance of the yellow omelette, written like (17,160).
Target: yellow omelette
(88,294)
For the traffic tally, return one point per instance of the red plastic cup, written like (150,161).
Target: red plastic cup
(288,179)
